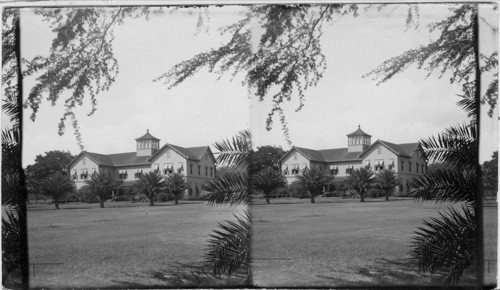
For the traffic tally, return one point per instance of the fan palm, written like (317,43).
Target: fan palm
(361,180)
(313,180)
(386,180)
(101,184)
(448,244)
(151,184)
(229,250)
(56,186)
(268,180)
(175,184)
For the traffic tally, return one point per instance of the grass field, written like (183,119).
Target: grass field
(346,243)
(123,246)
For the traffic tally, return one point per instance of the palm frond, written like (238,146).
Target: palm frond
(229,249)
(231,187)
(11,239)
(235,151)
(446,185)
(12,189)
(457,146)
(468,101)
(268,179)
(446,243)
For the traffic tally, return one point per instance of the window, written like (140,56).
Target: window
(169,168)
(349,169)
(199,169)
(379,165)
(156,167)
(84,160)
(368,166)
(84,174)
(409,166)
(402,165)
(181,167)
(190,168)
(305,165)
(211,171)
(417,166)
(74,175)
(138,173)
(285,170)
(206,170)
(123,174)
(407,187)
(334,170)
(391,164)
(295,169)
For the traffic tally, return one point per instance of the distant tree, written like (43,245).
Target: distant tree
(361,180)
(313,180)
(387,180)
(50,162)
(490,173)
(176,184)
(101,184)
(151,184)
(222,170)
(57,185)
(268,180)
(266,156)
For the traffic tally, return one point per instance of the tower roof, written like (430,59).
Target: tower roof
(358,132)
(147,136)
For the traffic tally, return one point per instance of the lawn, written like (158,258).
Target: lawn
(346,243)
(123,246)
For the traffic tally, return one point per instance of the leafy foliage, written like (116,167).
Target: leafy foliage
(56,186)
(490,173)
(49,163)
(230,246)
(266,156)
(151,184)
(447,243)
(361,180)
(176,184)
(237,151)
(313,180)
(231,187)
(268,180)
(386,180)
(81,62)
(101,184)
(12,243)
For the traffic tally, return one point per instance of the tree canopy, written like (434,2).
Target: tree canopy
(49,163)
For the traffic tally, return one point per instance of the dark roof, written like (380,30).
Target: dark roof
(147,136)
(401,149)
(192,153)
(358,132)
(129,158)
(340,154)
(312,155)
(100,159)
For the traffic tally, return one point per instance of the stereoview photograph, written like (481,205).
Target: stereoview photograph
(337,145)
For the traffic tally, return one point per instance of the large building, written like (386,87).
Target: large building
(196,163)
(406,159)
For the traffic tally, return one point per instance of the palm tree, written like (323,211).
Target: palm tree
(313,180)
(450,243)
(176,184)
(267,180)
(229,250)
(101,184)
(361,180)
(151,184)
(386,180)
(57,185)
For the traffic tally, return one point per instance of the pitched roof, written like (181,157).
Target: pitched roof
(340,154)
(100,159)
(358,132)
(147,136)
(191,153)
(401,149)
(129,158)
(312,155)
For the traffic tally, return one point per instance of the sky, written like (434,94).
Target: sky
(204,110)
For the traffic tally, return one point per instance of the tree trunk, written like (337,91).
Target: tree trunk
(176,200)
(387,195)
(151,201)
(312,198)
(101,202)
(362,195)
(267,199)
(56,202)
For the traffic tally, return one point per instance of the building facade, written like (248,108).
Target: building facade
(407,160)
(197,164)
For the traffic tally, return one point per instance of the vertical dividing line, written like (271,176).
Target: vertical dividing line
(23,235)
(478,207)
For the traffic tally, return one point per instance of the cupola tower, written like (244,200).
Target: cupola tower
(358,141)
(147,144)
